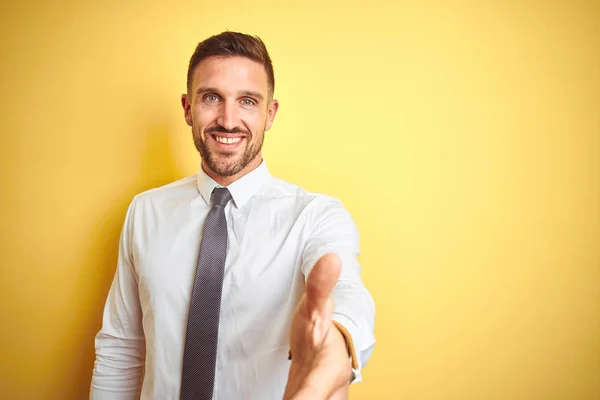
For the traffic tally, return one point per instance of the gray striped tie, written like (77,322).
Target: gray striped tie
(201,337)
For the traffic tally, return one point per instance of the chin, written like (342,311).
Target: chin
(226,169)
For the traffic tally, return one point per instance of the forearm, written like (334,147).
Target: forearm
(118,368)
(355,311)
(314,382)
(120,344)
(336,233)
(309,382)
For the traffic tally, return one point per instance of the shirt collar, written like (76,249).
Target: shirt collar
(241,190)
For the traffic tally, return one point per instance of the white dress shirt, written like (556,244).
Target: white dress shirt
(276,233)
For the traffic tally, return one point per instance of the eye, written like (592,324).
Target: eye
(248,102)
(211,98)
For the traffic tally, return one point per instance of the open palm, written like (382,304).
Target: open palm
(320,368)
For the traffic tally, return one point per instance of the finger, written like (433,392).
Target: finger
(321,281)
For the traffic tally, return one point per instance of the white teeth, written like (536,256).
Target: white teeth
(227,140)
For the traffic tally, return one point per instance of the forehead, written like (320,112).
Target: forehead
(232,74)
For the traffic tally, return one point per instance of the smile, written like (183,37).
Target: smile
(226,140)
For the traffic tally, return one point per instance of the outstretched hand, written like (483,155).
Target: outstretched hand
(320,367)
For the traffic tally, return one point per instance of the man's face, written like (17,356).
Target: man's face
(229,109)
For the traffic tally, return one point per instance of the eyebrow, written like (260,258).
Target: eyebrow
(250,93)
(205,89)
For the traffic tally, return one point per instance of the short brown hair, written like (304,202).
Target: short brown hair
(230,44)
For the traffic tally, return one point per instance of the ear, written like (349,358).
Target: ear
(187,109)
(271,112)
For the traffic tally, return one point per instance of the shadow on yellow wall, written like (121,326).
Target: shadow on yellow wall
(156,168)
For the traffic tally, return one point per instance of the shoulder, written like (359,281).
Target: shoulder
(328,224)
(317,204)
(278,188)
(184,189)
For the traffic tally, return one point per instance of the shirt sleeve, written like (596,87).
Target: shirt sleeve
(335,232)
(120,344)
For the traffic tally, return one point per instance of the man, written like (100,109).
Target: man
(225,276)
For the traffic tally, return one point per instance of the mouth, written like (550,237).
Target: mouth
(227,142)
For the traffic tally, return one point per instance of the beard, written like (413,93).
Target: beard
(227,163)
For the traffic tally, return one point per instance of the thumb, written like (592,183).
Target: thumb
(321,281)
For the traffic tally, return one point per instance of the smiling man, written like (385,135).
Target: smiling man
(232,284)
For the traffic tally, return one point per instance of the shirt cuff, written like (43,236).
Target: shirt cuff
(349,343)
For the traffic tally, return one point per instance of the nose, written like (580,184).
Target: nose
(228,116)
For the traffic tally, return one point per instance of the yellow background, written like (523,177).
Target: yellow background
(462,136)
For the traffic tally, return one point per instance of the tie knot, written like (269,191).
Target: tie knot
(221,196)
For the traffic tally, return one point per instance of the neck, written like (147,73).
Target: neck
(227,180)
